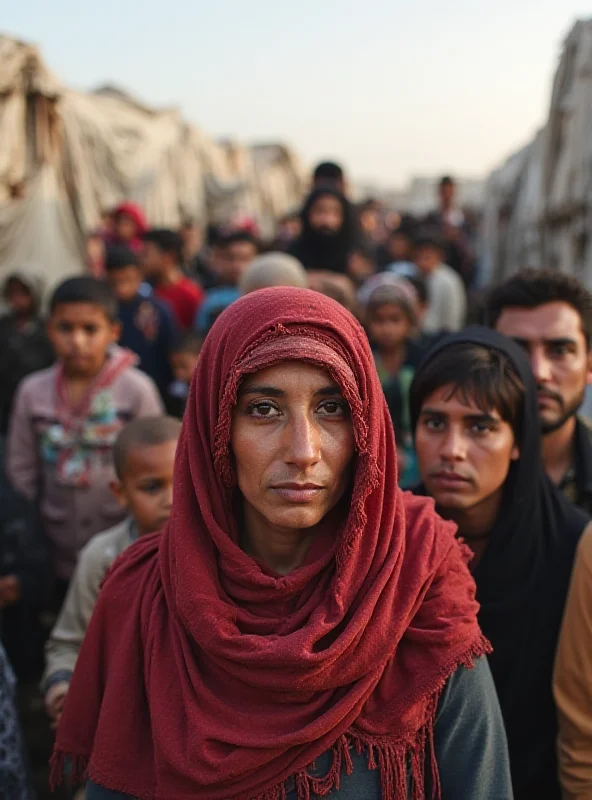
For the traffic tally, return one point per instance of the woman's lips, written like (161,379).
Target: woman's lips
(297,492)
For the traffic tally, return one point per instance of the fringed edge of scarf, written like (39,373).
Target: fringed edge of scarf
(398,762)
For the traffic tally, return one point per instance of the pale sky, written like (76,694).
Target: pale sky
(389,88)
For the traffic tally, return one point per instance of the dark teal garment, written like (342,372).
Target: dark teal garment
(469,740)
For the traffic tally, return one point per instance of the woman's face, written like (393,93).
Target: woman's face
(293,445)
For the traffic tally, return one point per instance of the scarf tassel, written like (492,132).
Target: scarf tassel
(400,766)
(63,765)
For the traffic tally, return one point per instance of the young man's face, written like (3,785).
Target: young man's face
(326,215)
(553,338)
(388,326)
(235,259)
(81,334)
(146,485)
(125,283)
(463,454)
(183,366)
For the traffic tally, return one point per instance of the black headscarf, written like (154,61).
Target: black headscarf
(318,250)
(522,582)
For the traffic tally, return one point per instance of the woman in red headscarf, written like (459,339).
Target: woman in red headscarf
(301,627)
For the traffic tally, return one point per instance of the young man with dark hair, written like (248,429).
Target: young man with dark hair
(477,439)
(147,326)
(550,315)
(66,418)
(162,257)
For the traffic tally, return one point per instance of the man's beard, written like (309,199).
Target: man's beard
(567,411)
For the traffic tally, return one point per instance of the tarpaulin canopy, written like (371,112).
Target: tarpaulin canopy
(66,156)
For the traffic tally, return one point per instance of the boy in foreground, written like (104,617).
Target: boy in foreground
(144,456)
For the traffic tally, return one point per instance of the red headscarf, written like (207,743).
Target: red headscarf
(204,675)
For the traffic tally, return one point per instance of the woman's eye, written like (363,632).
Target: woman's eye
(263,410)
(333,408)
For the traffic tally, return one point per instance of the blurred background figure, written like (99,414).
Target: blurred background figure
(329,232)
(329,175)
(273,269)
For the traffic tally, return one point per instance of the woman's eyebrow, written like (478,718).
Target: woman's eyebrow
(273,391)
(270,391)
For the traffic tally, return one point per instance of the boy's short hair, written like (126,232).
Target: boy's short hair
(238,237)
(190,342)
(430,239)
(143,432)
(475,373)
(84,289)
(531,288)
(167,241)
(119,257)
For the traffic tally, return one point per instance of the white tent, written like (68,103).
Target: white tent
(538,209)
(65,156)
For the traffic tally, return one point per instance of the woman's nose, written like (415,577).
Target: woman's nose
(303,445)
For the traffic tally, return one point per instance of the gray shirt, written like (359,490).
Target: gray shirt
(469,740)
(447,301)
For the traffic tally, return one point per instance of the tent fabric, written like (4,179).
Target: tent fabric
(65,156)
(538,209)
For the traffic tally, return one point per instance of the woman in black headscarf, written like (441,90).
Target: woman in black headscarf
(329,232)
(472,389)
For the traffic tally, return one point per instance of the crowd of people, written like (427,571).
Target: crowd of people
(224,574)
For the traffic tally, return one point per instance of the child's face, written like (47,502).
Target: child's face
(125,227)
(399,247)
(81,334)
(125,283)
(19,298)
(183,366)
(235,259)
(428,258)
(146,485)
(388,326)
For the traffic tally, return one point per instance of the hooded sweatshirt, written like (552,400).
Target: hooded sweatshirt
(25,347)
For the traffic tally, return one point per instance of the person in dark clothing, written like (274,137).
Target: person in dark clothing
(477,438)
(147,326)
(549,314)
(303,624)
(183,356)
(450,222)
(24,345)
(24,580)
(14,782)
(329,232)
